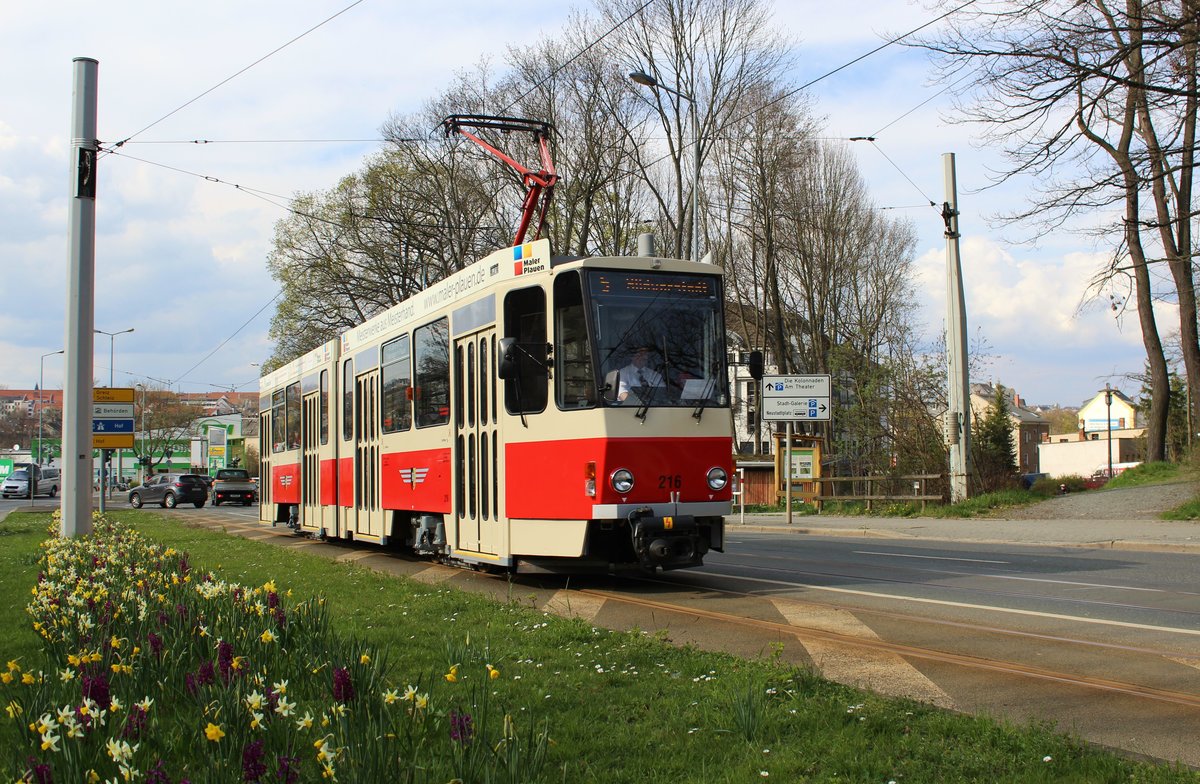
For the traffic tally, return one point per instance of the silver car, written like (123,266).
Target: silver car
(17,483)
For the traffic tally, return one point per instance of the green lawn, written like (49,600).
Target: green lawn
(549,699)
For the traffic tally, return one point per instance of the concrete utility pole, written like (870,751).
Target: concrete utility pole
(81,306)
(958,417)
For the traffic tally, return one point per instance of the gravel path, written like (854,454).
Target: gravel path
(1126,503)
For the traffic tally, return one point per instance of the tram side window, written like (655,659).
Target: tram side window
(397,381)
(575,381)
(347,399)
(324,406)
(431,394)
(278,423)
(525,320)
(293,415)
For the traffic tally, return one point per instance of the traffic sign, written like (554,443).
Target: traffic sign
(112,441)
(112,426)
(112,411)
(796,398)
(112,395)
(112,417)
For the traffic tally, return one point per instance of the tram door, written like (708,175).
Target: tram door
(476,483)
(266,504)
(310,459)
(368,509)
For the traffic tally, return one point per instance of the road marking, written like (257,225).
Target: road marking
(1061,582)
(930,557)
(963,605)
(881,671)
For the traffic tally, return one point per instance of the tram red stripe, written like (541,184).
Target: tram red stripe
(285,484)
(546,479)
(417,480)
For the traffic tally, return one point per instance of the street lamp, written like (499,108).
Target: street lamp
(1108,393)
(647,80)
(112,342)
(41,387)
(142,451)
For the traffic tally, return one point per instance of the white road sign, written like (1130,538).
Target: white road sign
(112,410)
(796,398)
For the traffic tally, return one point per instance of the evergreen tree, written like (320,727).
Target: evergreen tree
(992,444)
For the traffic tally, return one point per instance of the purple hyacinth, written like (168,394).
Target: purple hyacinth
(253,767)
(343,689)
(462,728)
(96,688)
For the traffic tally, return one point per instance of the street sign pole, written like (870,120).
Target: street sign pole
(788,473)
(80,312)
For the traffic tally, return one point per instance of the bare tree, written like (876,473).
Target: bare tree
(1097,102)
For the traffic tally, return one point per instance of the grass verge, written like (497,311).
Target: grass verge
(617,707)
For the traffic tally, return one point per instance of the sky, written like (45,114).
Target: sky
(181,252)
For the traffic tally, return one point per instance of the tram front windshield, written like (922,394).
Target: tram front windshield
(658,337)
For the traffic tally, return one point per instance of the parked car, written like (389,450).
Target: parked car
(234,485)
(170,490)
(17,483)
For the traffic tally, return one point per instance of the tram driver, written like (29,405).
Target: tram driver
(638,375)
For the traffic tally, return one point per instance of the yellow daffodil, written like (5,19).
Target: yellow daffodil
(13,666)
(13,710)
(452,676)
(493,673)
(115,642)
(364,659)
(214,732)
(269,586)
(6,678)
(267,636)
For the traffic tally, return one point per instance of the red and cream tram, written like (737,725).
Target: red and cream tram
(526,413)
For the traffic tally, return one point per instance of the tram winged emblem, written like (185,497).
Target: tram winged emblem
(413,476)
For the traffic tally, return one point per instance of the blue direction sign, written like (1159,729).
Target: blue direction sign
(112,425)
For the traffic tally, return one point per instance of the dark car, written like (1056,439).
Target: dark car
(170,490)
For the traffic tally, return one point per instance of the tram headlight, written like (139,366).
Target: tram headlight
(717,478)
(622,480)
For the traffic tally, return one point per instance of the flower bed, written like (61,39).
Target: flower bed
(155,672)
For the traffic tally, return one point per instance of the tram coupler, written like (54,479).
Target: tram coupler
(667,542)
